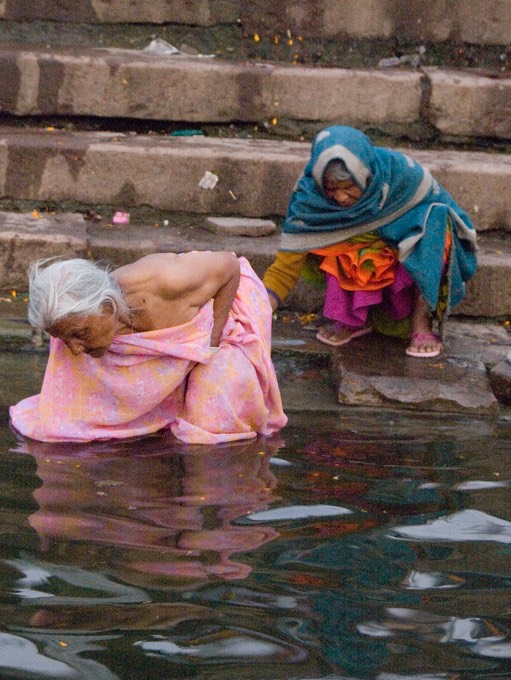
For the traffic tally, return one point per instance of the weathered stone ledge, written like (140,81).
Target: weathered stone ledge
(371,372)
(472,21)
(24,238)
(114,83)
(255,177)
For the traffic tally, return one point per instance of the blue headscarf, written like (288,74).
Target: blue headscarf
(400,200)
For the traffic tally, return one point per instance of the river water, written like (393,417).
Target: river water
(355,545)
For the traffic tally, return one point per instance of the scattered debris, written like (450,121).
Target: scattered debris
(186,133)
(159,46)
(405,60)
(92,216)
(414,60)
(209,180)
(188,49)
(121,217)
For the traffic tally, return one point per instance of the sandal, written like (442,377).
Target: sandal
(421,339)
(357,333)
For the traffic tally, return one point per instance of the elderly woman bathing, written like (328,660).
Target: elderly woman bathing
(179,341)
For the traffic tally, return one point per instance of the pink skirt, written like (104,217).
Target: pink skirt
(351,308)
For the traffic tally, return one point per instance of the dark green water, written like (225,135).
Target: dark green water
(353,547)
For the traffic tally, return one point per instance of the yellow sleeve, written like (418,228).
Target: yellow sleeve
(281,276)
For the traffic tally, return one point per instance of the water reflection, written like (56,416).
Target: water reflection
(149,509)
(119,521)
(382,553)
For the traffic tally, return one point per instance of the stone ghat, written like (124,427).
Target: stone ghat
(133,84)
(255,177)
(472,21)
(26,237)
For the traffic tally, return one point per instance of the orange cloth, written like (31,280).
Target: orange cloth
(360,266)
(448,243)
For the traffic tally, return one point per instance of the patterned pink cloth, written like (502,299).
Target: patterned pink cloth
(167,378)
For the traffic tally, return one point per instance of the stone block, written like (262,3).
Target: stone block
(131,84)
(487,292)
(24,239)
(465,104)
(123,171)
(500,380)
(374,371)
(197,12)
(240,226)
(481,22)
(256,177)
(488,343)
(134,84)
(472,21)
(475,21)
(480,182)
(342,96)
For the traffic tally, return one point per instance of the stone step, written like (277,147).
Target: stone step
(321,380)
(28,237)
(133,84)
(472,21)
(470,377)
(374,371)
(200,12)
(255,176)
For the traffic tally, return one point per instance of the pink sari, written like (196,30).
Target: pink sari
(167,378)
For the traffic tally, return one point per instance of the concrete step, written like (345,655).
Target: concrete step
(133,84)
(472,21)
(28,237)
(255,176)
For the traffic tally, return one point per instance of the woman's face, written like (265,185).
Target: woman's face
(91,334)
(344,192)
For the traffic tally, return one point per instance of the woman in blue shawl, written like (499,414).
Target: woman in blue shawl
(396,249)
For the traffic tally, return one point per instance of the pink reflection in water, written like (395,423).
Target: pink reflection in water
(166,509)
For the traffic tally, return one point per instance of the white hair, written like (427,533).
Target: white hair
(337,171)
(68,287)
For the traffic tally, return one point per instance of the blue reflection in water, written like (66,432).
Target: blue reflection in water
(362,547)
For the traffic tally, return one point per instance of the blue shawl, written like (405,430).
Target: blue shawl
(400,200)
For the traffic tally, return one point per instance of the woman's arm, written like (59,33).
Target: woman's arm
(281,276)
(223,299)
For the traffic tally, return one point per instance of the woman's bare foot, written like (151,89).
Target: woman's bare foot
(424,343)
(336,334)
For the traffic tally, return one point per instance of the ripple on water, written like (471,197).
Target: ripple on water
(356,546)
